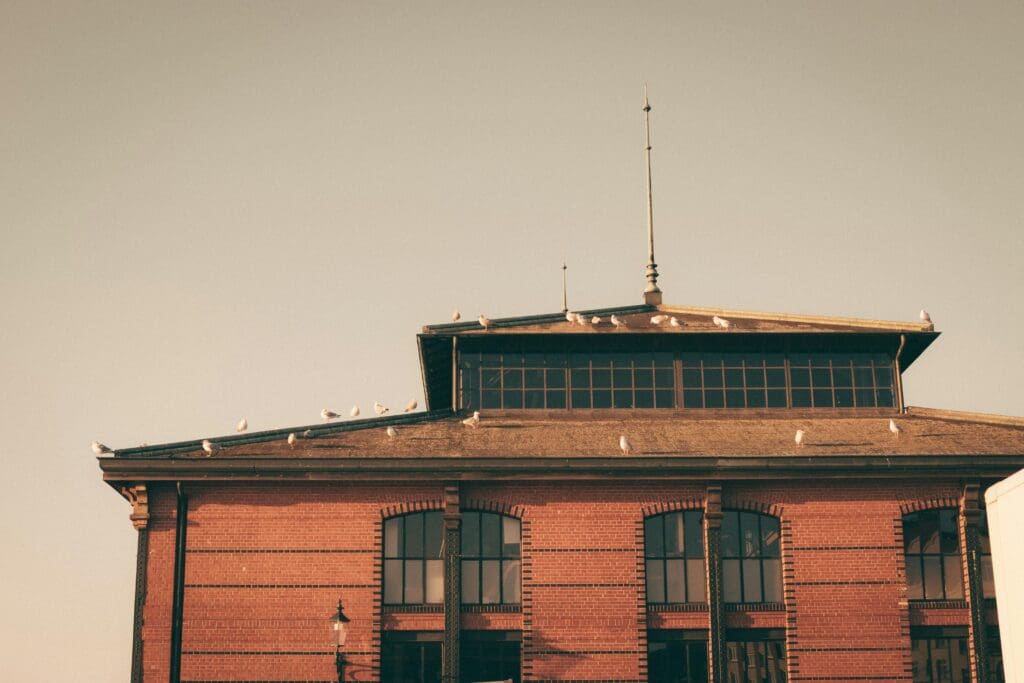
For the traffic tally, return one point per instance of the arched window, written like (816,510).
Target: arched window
(931,543)
(674,549)
(413,569)
(490,559)
(751,560)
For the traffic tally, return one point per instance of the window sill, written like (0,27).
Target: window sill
(678,607)
(755,607)
(413,609)
(939,604)
(492,609)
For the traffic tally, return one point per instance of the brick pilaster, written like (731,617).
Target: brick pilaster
(716,608)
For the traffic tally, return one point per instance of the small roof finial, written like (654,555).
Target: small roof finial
(652,294)
(565,290)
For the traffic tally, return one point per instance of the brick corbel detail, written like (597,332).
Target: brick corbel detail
(716,609)
(138,496)
(970,539)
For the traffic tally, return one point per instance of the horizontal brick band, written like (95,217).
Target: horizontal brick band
(278,551)
(582,585)
(831,548)
(574,653)
(280,585)
(582,550)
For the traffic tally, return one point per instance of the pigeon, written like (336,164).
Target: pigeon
(895,428)
(658,319)
(473,421)
(210,447)
(100,449)
(617,322)
(354,412)
(799,437)
(596,320)
(484,321)
(379,408)
(392,432)
(721,322)
(241,426)
(410,406)
(456,316)
(925,318)
(625,445)
(328,414)
(292,439)
(308,434)
(675,322)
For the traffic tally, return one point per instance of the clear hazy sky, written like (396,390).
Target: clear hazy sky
(217,210)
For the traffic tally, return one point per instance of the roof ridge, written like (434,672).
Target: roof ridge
(536,318)
(801,318)
(965,416)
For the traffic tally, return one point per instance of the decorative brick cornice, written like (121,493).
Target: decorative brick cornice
(409,507)
(661,507)
(138,496)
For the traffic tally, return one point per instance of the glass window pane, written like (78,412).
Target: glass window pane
(712,377)
(490,587)
(734,378)
(769,536)
(602,379)
(755,377)
(510,533)
(731,581)
(911,534)
(414,535)
(392,581)
(751,544)
(581,399)
(776,398)
(490,399)
(928,523)
(470,534)
(694,533)
(775,377)
(674,534)
(821,377)
(413,581)
(730,534)
(533,400)
(555,378)
(556,398)
(799,377)
(533,379)
(512,398)
(988,584)
(822,398)
(755,398)
(713,399)
(490,379)
(510,582)
(580,378)
(490,532)
(801,398)
(655,581)
(623,398)
(622,378)
(675,578)
(772,580)
(435,581)
(695,581)
(843,377)
(884,398)
(653,540)
(602,398)
(471,582)
(751,581)
(883,377)
(432,529)
(513,379)
(643,398)
(691,379)
(954,577)
(863,378)
(932,578)
(665,398)
(949,536)
(644,378)
(734,398)
(693,398)
(664,379)
(392,537)
(844,398)
(915,587)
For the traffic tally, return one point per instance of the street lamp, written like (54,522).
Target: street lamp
(340,624)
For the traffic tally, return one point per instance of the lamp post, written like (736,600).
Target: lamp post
(340,624)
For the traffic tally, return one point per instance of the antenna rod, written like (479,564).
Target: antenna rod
(652,294)
(565,299)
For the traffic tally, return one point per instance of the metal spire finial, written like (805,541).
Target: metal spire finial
(652,294)
(565,295)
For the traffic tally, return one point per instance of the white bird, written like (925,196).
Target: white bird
(410,406)
(581,319)
(308,434)
(292,439)
(456,316)
(925,318)
(484,321)
(570,316)
(379,408)
(799,437)
(659,319)
(721,322)
(210,447)
(328,414)
(100,449)
(895,428)
(392,432)
(617,322)
(241,426)
(354,412)
(473,421)
(596,320)
(675,322)
(625,445)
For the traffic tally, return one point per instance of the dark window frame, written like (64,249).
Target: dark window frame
(761,555)
(405,557)
(694,648)
(502,557)
(921,563)
(767,645)
(656,525)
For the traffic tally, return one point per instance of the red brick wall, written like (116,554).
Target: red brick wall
(267,563)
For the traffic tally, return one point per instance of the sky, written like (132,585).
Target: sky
(218,210)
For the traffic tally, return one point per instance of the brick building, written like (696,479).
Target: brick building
(532,547)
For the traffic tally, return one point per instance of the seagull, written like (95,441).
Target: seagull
(328,414)
(570,316)
(456,316)
(596,320)
(410,406)
(308,434)
(925,318)
(292,439)
(241,426)
(354,412)
(675,322)
(484,321)
(625,445)
(210,447)
(659,319)
(581,319)
(379,408)
(895,428)
(617,322)
(474,421)
(799,437)
(392,432)
(100,449)
(721,322)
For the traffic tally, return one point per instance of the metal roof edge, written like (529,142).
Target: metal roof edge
(532,319)
(964,416)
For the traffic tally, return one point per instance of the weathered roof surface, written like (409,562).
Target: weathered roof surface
(590,434)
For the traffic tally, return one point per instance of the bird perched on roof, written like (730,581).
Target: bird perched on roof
(570,316)
(410,406)
(659,319)
(354,412)
(380,408)
(625,445)
(392,432)
(596,320)
(618,322)
(895,428)
(799,437)
(242,425)
(292,439)
(308,434)
(721,322)
(328,414)
(210,447)
(925,318)
(100,449)
(581,319)
(456,316)
(484,321)
(675,322)
(473,421)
